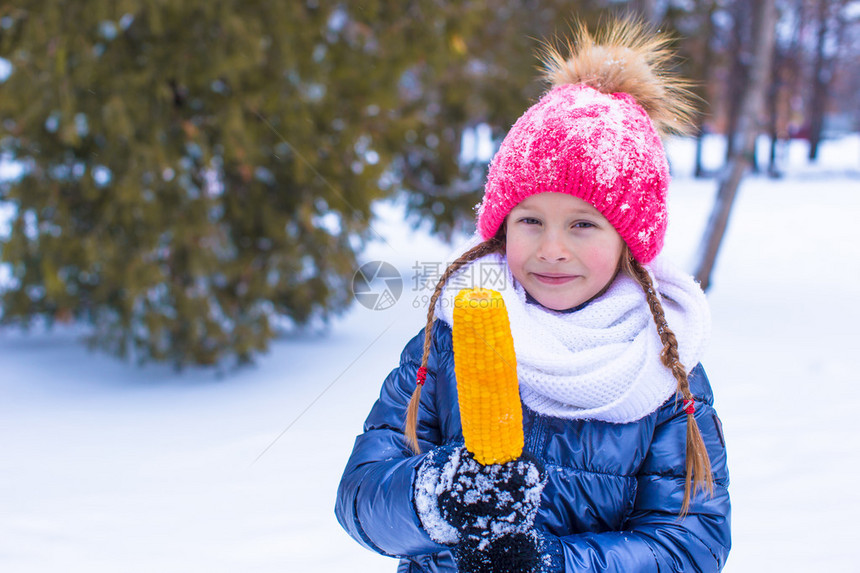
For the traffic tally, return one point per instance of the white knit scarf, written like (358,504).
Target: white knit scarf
(601,362)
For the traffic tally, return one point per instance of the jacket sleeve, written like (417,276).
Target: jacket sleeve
(374,499)
(654,539)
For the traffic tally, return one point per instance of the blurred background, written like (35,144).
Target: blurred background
(186,177)
(201,192)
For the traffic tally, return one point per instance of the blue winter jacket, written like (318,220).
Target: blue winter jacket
(613,494)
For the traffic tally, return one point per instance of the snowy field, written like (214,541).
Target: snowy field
(106,467)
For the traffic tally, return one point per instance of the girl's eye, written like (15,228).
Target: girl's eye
(583,225)
(529,221)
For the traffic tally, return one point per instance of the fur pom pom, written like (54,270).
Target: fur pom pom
(625,56)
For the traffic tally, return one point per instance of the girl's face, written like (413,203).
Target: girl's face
(561,249)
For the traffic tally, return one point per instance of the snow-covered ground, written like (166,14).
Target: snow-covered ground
(107,467)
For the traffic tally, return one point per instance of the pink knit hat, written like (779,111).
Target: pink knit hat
(595,143)
(599,147)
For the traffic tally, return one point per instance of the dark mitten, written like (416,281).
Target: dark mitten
(487,511)
(512,552)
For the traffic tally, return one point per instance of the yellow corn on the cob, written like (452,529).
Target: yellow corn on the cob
(486,370)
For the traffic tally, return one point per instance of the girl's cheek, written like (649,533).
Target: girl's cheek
(603,258)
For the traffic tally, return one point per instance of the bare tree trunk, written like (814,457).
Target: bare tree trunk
(741,55)
(773,96)
(764,24)
(699,171)
(825,67)
(707,58)
(782,80)
(772,168)
(820,83)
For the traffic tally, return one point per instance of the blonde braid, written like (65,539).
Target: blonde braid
(494,245)
(698,470)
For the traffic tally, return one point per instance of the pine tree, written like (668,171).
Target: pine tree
(194,168)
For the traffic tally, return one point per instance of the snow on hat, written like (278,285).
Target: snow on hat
(595,136)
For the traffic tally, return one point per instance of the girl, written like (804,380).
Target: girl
(624,464)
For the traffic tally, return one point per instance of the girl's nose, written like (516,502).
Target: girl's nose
(552,249)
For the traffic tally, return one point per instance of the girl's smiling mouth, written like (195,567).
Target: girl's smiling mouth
(554,278)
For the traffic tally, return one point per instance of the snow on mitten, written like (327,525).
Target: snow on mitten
(486,511)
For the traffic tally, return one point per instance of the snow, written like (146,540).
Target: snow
(434,477)
(105,466)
